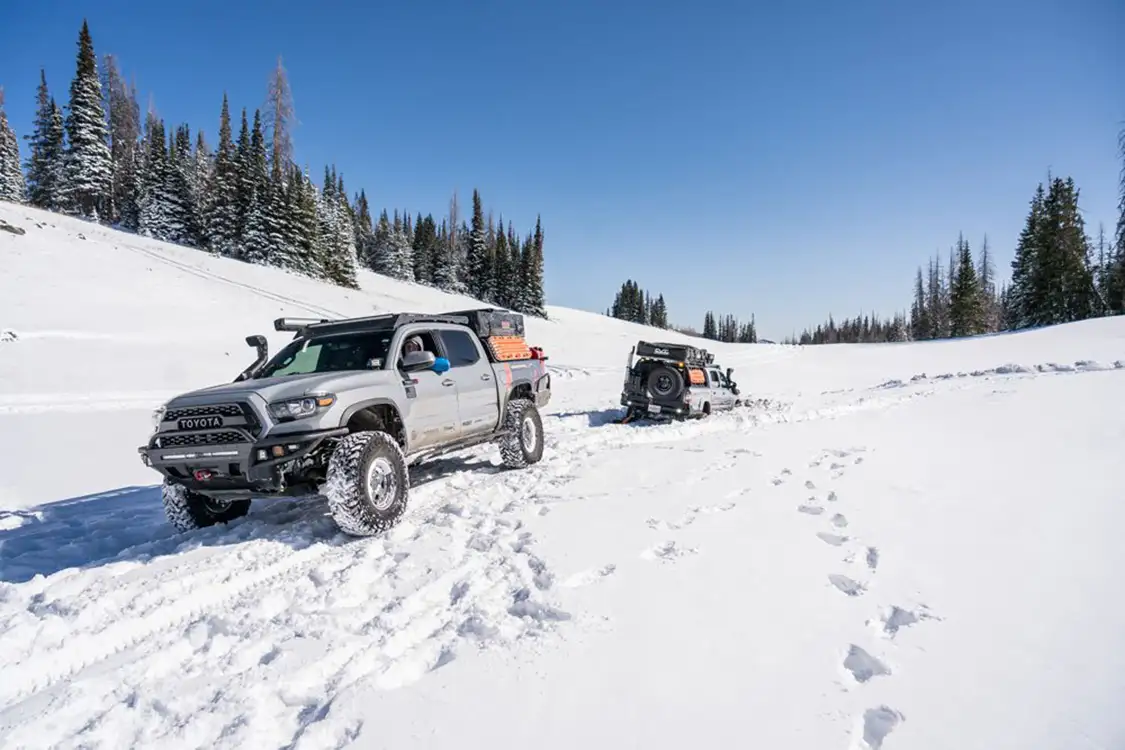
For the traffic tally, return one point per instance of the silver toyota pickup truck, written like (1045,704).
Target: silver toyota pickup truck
(344,409)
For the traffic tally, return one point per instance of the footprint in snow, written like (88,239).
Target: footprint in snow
(874,726)
(834,539)
(668,552)
(840,521)
(832,496)
(586,577)
(872,558)
(862,665)
(895,618)
(809,485)
(846,585)
(812,510)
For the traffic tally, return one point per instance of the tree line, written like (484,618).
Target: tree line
(247,199)
(1060,274)
(637,305)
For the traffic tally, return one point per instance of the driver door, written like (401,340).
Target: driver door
(430,413)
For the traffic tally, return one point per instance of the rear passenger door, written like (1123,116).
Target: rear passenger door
(478,402)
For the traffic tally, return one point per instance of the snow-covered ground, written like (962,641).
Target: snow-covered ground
(907,546)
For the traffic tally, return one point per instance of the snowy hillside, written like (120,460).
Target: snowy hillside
(902,546)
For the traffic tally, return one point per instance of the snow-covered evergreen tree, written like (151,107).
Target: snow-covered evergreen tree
(222,207)
(400,253)
(45,163)
(337,234)
(479,275)
(308,244)
(364,234)
(89,166)
(12,186)
(534,297)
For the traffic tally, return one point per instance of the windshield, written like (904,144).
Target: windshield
(349,351)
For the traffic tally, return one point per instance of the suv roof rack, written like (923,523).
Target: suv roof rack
(690,355)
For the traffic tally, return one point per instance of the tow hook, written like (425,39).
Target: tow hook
(202,475)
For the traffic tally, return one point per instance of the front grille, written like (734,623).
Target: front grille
(241,409)
(220,410)
(186,439)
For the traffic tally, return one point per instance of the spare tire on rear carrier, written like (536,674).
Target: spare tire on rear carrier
(664,383)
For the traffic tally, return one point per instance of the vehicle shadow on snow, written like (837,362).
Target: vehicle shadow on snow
(128,525)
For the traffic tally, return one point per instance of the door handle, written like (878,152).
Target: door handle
(447,382)
(485,376)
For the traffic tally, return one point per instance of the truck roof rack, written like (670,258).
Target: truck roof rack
(690,355)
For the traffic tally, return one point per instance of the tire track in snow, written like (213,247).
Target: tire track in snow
(236,595)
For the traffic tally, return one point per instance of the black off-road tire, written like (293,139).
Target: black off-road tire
(522,444)
(664,383)
(367,484)
(189,511)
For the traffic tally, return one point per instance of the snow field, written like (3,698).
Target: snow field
(895,546)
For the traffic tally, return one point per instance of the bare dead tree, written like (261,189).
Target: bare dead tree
(279,118)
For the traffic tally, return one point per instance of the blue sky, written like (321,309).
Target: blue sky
(789,160)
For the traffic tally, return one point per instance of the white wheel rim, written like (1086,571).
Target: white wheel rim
(381,484)
(529,433)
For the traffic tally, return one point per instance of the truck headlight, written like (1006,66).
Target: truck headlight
(299,408)
(158,417)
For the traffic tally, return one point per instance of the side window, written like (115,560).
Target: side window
(460,348)
(716,378)
(424,339)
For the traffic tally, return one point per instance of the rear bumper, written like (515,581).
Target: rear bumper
(234,468)
(641,402)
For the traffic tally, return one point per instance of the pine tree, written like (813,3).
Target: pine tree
(504,291)
(1115,263)
(400,253)
(197,172)
(308,244)
(920,324)
(124,116)
(478,263)
(364,238)
(534,300)
(257,245)
(89,166)
(46,163)
(986,276)
(425,249)
(223,220)
(12,186)
(244,162)
(447,263)
(1025,294)
(966,309)
(1064,258)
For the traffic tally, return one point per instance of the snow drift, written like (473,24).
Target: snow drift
(903,545)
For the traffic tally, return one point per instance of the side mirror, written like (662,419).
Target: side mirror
(441,364)
(262,347)
(415,361)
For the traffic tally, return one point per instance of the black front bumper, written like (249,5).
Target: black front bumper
(234,468)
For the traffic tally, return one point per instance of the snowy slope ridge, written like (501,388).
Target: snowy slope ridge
(899,546)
